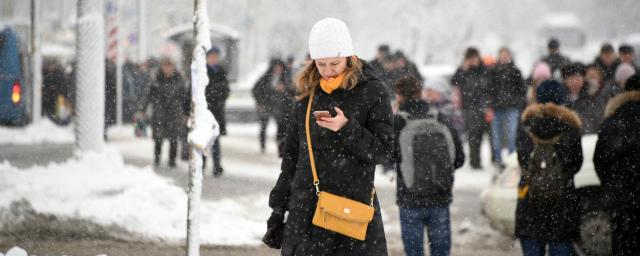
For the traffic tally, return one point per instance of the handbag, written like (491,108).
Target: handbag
(339,214)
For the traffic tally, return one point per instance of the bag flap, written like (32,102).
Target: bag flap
(344,208)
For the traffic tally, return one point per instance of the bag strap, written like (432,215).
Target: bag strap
(316,181)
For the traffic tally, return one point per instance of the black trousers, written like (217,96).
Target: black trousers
(263,118)
(475,127)
(173,149)
(215,152)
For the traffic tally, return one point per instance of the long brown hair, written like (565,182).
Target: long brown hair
(310,77)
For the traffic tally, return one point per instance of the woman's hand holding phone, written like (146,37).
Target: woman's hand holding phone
(324,119)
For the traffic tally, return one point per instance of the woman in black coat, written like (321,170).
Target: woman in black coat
(617,162)
(170,103)
(555,225)
(347,146)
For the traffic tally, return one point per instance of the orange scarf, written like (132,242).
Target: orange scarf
(330,85)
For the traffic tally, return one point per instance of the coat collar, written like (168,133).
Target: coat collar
(564,114)
(616,102)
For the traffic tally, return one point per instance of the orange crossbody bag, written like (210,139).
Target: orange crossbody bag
(339,214)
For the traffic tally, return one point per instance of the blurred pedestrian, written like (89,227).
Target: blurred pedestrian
(550,154)
(272,93)
(470,80)
(437,94)
(623,72)
(555,59)
(169,103)
(626,54)
(541,72)
(383,52)
(424,200)
(348,140)
(607,62)
(216,93)
(405,67)
(616,159)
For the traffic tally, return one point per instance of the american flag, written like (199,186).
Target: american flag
(112,29)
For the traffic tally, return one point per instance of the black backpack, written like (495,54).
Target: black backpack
(428,153)
(546,179)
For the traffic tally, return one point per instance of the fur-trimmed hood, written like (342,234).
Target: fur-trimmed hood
(546,121)
(618,101)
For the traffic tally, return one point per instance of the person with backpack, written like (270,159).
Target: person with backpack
(428,150)
(616,159)
(550,154)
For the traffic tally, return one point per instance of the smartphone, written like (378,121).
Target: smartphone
(320,114)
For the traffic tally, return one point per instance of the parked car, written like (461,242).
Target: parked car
(14,95)
(500,198)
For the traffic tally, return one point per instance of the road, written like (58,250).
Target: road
(471,234)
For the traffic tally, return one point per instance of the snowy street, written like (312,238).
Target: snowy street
(246,182)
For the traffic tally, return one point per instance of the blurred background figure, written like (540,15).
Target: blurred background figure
(507,96)
(470,80)
(541,72)
(216,93)
(273,92)
(170,107)
(623,72)
(555,59)
(626,54)
(607,62)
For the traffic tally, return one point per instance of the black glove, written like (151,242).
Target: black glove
(275,229)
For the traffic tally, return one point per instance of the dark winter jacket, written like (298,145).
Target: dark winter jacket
(590,108)
(545,121)
(345,162)
(170,103)
(473,86)
(617,154)
(270,100)
(608,72)
(217,92)
(506,88)
(556,61)
(406,199)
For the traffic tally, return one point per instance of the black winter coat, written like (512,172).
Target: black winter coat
(216,93)
(554,222)
(506,88)
(270,100)
(404,198)
(473,86)
(170,104)
(617,154)
(345,162)
(556,61)
(608,72)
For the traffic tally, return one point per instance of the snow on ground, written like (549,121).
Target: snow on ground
(16,251)
(43,132)
(101,188)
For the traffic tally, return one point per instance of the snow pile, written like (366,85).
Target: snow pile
(42,132)
(16,251)
(102,189)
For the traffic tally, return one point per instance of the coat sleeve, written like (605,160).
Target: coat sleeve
(373,141)
(279,196)
(524,146)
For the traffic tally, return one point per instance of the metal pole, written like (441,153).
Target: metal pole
(90,73)
(119,62)
(36,59)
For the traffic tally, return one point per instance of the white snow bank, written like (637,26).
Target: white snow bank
(16,251)
(101,188)
(43,132)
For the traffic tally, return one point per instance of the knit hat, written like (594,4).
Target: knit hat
(633,83)
(541,71)
(330,38)
(624,71)
(551,91)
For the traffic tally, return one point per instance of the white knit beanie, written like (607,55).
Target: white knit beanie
(329,38)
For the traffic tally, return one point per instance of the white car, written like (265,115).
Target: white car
(499,202)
